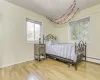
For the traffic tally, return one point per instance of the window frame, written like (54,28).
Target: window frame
(41,30)
(89,29)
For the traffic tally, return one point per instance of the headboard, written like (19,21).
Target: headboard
(48,37)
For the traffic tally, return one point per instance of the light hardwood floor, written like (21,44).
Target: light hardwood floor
(50,70)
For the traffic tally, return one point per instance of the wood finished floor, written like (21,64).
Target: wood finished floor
(50,70)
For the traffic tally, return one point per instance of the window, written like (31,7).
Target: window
(79,30)
(33,30)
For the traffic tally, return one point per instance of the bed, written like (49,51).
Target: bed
(71,53)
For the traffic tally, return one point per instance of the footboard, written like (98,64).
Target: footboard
(80,50)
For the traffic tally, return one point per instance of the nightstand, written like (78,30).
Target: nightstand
(39,51)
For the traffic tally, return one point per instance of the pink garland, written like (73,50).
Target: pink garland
(71,17)
(65,16)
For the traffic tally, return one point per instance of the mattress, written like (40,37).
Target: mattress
(62,50)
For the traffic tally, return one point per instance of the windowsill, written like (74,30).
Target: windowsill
(71,41)
(32,42)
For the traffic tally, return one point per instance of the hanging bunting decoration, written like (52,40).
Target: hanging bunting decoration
(65,17)
(71,17)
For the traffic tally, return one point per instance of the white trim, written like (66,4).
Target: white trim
(33,21)
(93,60)
(79,19)
(3,66)
(88,59)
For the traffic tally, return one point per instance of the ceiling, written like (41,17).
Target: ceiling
(53,8)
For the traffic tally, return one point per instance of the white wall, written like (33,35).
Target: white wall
(13,46)
(93,48)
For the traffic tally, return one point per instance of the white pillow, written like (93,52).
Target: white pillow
(53,42)
(48,42)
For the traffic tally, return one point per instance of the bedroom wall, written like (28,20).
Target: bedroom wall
(93,48)
(13,46)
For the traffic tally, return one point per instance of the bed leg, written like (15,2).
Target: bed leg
(85,58)
(69,65)
(76,66)
(46,56)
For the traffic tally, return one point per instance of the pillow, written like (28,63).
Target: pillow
(53,42)
(48,42)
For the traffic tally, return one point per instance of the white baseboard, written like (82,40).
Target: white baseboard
(88,59)
(93,60)
(3,66)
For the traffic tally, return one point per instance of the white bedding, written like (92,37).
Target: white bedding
(62,50)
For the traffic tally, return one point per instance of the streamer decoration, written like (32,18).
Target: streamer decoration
(65,17)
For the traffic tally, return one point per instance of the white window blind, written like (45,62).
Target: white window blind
(33,30)
(79,30)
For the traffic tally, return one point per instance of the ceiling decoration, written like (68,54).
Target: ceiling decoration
(65,17)
(57,11)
